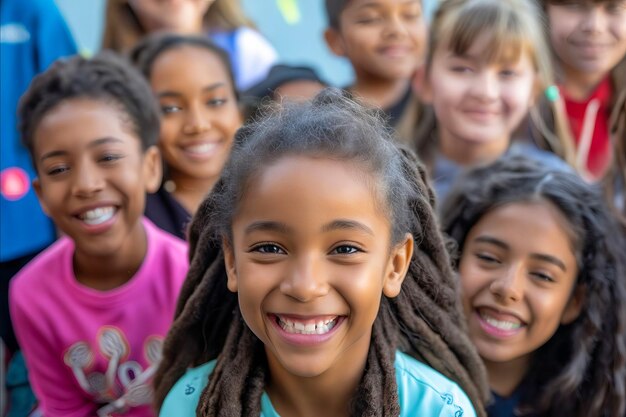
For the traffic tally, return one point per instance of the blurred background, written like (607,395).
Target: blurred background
(294,27)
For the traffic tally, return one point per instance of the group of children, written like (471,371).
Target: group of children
(444,237)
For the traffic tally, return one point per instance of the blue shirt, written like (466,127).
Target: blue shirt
(422,391)
(32,35)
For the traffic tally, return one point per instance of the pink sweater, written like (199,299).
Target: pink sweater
(92,352)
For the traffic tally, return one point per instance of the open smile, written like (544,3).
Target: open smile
(498,324)
(97,219)
(312,330)
(201,150)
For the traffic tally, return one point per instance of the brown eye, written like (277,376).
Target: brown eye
(345,250)
(268,248)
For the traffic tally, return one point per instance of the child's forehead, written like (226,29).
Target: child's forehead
(285,173)
(188,59)
(82,120)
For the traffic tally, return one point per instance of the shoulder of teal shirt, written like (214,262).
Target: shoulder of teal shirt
(425,392)
(421,391)
(183,398)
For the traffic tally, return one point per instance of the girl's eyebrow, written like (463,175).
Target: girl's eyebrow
(268,226)
(341,224)
(540,256)
(492,240)
(550,259)
(92,144)
(208,88)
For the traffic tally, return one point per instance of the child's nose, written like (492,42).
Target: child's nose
(509,287)
(594,20)
(485,85)
(87,181)
(196,121)
(305,280)
(395,27)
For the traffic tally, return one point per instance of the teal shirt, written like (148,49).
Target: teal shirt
(422,391)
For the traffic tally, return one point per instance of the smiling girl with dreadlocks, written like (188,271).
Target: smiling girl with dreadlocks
(319,282)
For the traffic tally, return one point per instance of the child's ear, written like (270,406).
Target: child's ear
(574,305)
(334,41)
(152,169)
(229,263)
(37,188)
(399,262)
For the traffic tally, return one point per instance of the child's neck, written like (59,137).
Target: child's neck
(467,153)
(105,273)
(505,377)
(329,394)
(580,85)
(190,192)
(379,92)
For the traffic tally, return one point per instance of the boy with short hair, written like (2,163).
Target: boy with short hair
(92,310)
(384,40)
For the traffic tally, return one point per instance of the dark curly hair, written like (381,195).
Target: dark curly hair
(581,370)
(152,46)
(107,77)
(425,320)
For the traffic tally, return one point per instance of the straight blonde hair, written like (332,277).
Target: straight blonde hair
(515,27)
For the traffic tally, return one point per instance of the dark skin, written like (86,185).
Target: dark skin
(104,273)
(302,253)
(93,176)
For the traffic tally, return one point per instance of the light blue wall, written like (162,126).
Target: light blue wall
(300,43)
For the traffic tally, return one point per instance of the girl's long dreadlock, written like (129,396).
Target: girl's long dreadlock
(425,320)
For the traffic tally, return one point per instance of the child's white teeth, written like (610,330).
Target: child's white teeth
(202,148)
(98,215)
(321,327)
(500,324)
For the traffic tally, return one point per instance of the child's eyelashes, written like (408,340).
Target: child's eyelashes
(487,258)
(108,158)
(542,276)
(216,102)
(275,249)
(346,249)
(466,69)
(175,108)
(461,69)
(57,170)
(369,20)
(168,109)
(268,248)
(507,73)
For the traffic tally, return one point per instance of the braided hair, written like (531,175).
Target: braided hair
(424,320)
(581,370)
